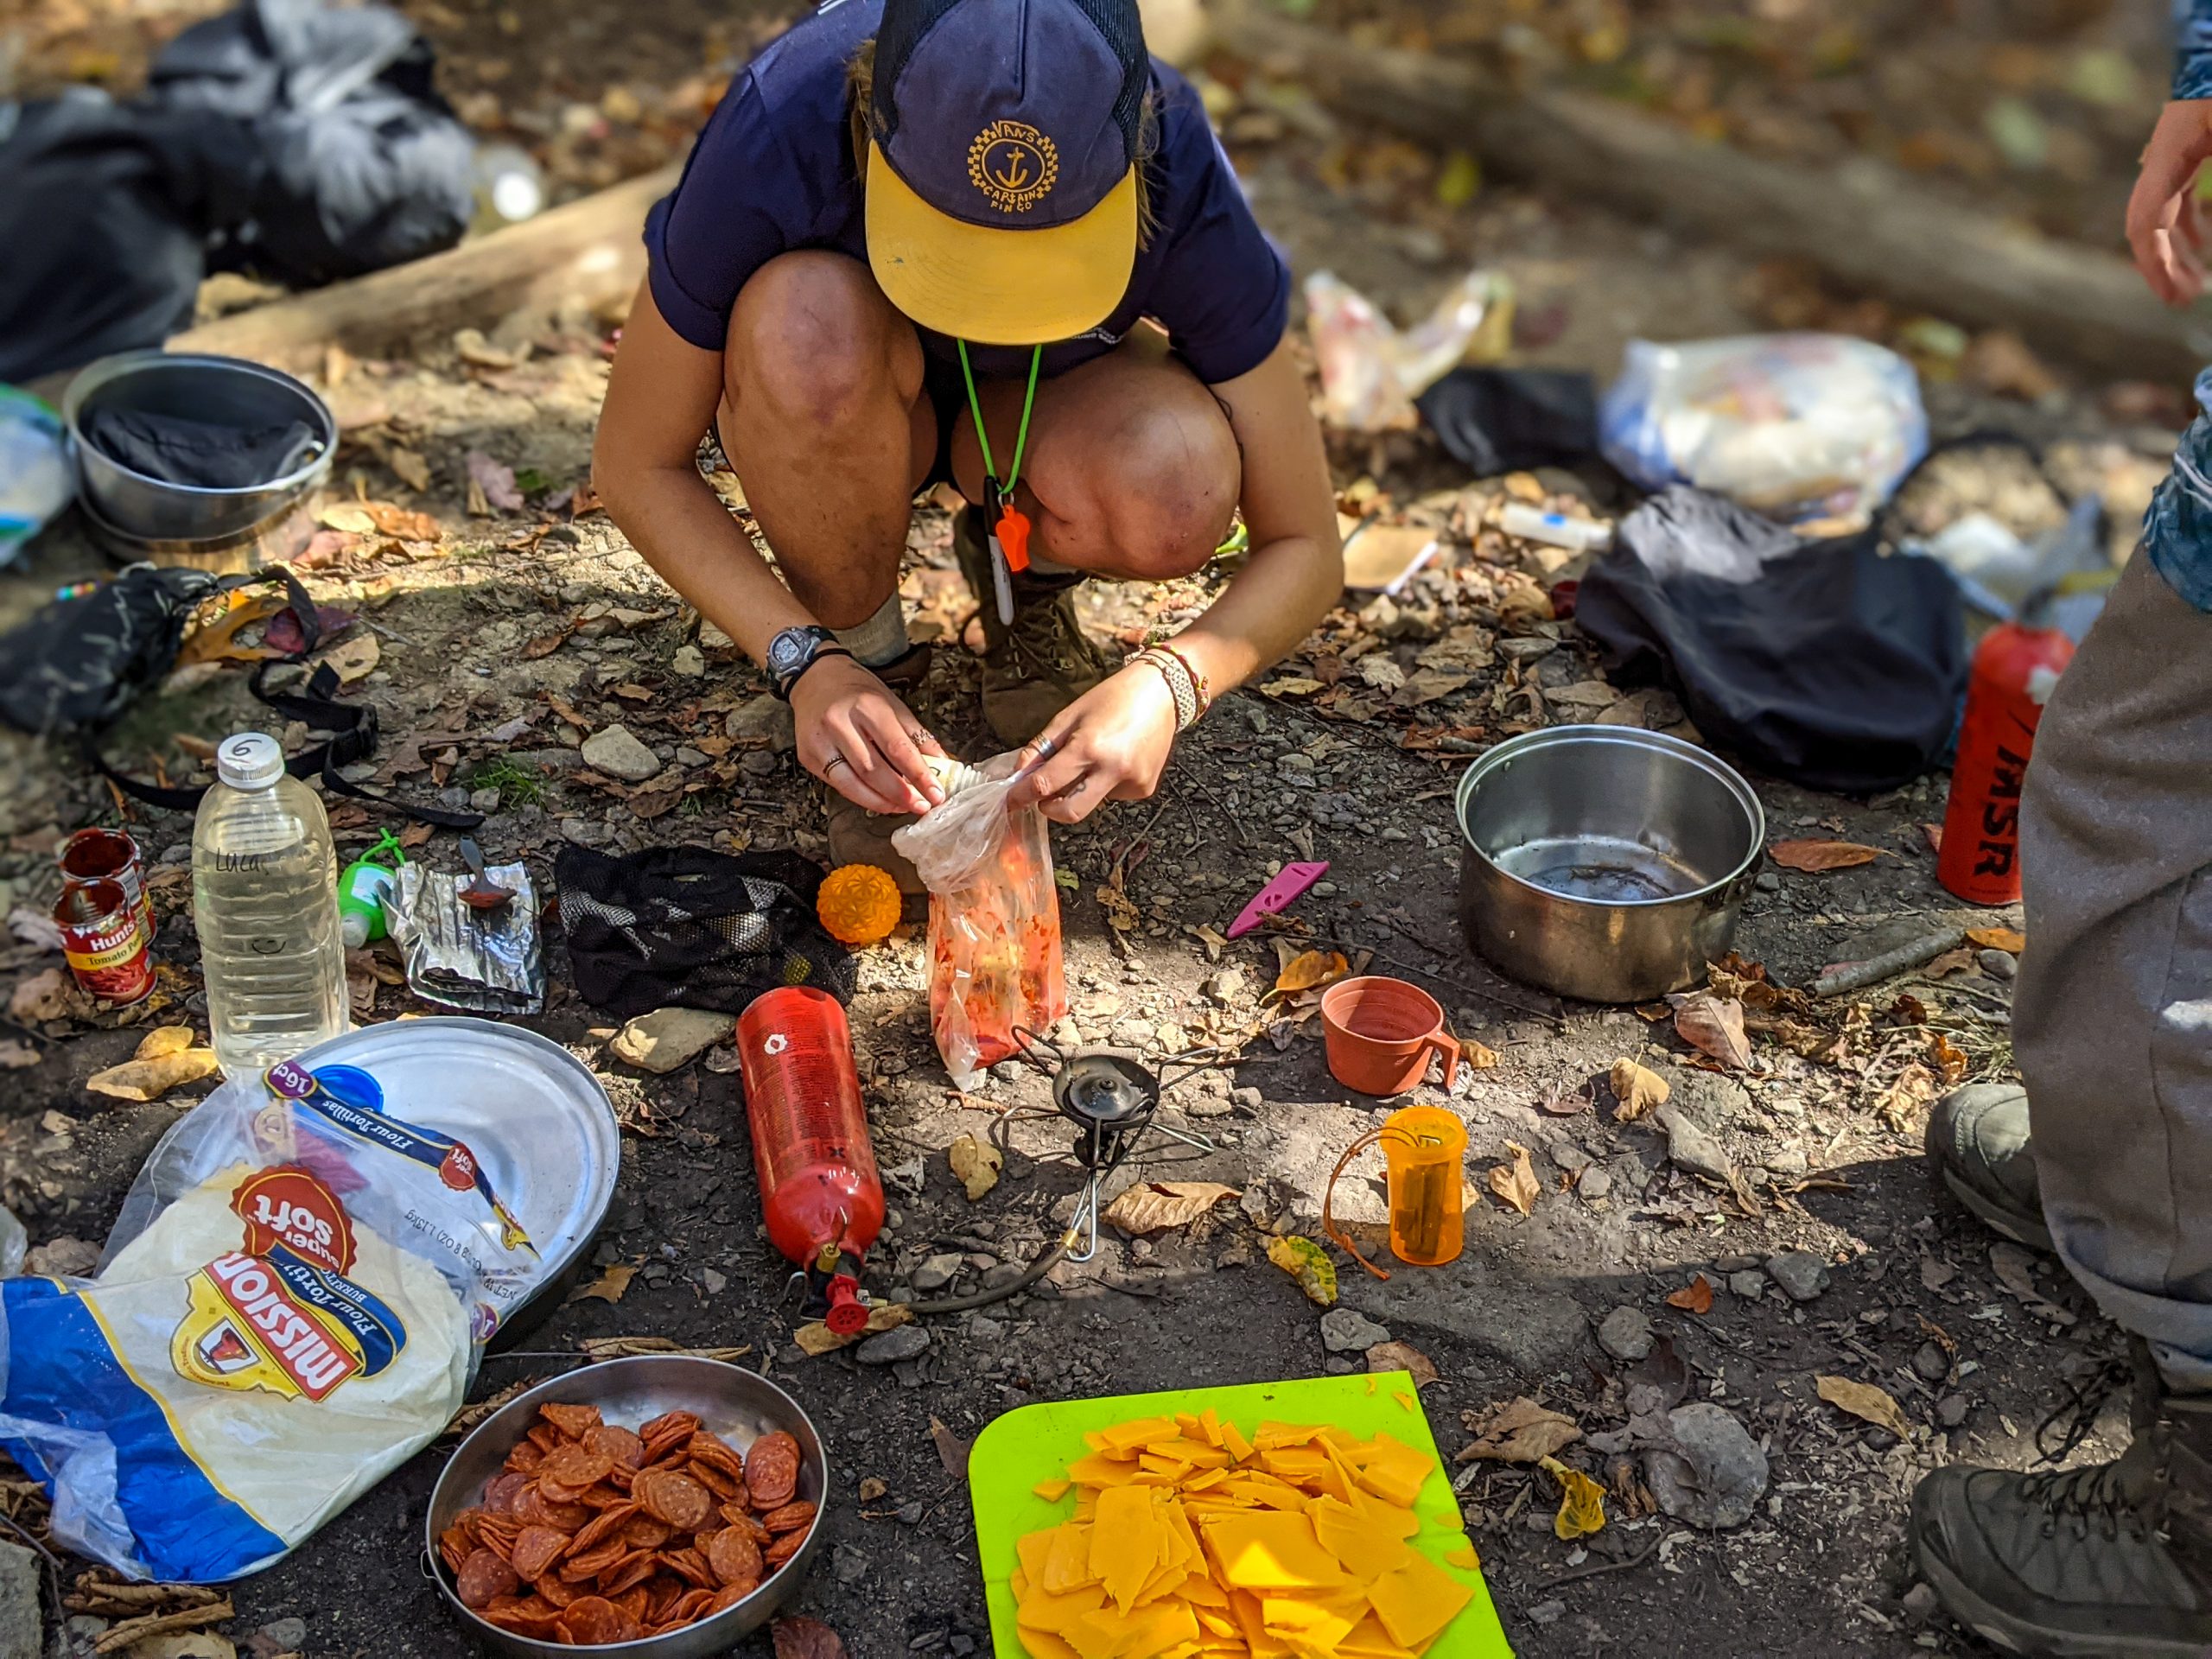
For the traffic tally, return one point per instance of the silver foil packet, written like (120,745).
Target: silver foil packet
(487,961)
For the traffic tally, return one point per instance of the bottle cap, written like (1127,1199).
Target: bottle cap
(249,761)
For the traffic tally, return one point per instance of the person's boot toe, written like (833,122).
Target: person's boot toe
(1978,1139)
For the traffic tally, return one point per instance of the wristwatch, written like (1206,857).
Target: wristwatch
(794,651)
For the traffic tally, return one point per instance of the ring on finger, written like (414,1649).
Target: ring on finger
(834,760)
(1047,748)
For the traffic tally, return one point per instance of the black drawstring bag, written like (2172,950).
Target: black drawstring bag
(73,670)
(685,927)
(1823,662)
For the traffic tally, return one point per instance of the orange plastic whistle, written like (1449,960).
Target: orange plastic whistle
(1013,538)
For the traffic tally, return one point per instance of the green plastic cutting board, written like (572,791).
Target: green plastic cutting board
(1038,1443)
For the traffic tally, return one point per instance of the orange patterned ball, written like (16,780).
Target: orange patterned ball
(859,903)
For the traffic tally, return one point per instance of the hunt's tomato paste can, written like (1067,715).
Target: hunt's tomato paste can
(104,939)
(108,855)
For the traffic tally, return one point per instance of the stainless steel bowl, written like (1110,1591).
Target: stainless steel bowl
(1603,863)
(128,505)
(729,1400)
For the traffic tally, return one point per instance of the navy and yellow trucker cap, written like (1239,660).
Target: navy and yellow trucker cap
(1001,167)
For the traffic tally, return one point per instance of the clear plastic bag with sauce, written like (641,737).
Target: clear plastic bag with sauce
(995,918)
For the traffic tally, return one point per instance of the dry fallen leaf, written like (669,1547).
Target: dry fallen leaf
(1639,1090)
(1903,1106)
(817,1339)
(1821,855)
(951,1450)
(2015,1268)
(1153,1206)
(1402,1356)
(1519,1431)
(1950,1060)
(610,1287)
(163,1040)
(1582,1501)
(1307,1262)
(1695,1297)
(1865,1401)
(1515,1183)
(1311,969)
(872,1488)
(1480,1056)
(149,1080)
(43,996)
(408,467)
(1960,961)
(1997,938)
(1713,1025)
(975,1165)
(806,1638)
(217,641)
(401,522)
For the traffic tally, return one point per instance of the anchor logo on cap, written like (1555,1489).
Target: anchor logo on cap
(1013,165)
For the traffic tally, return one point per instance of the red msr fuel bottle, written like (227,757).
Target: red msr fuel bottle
(2014,670)
(810,1147)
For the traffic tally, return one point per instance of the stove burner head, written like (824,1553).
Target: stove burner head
(1105,1090)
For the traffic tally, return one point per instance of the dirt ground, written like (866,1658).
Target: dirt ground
(512,635)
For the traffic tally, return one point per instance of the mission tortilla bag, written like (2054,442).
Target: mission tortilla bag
(291,1305)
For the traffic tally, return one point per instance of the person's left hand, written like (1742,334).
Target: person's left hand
(1109,744)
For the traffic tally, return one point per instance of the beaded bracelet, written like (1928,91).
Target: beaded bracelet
(1180,685)
(1198,680)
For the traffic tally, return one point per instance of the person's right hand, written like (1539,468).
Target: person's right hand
(861,741)
(2164,226)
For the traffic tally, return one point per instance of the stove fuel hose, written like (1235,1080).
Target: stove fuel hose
(1047,1259)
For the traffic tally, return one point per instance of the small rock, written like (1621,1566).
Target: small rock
(1548,1612)
(1597,1183)
(1999,964)
(1767,882)
(1931,1364)
(614,752)
(1710,1471)
(484,800)
(768,716)
(982,1329)
(22,1631)
(1951,1410)
(668,1038)
(1246,1100)
(849,1565)
(758,764)
(688,756)
(1802,1276)
(1691,1148)
(277,1636)
(935,1273)
(889,1347)
(1750,1284)
(1626,1333)
(689,662)
(1346,1332)
(1005,1273)
(1921,1604)
(910,1515)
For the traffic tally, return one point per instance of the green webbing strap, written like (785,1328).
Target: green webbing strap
(975,413)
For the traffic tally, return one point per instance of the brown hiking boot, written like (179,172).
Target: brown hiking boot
(2108,1559)
(860,836)
(1039,664)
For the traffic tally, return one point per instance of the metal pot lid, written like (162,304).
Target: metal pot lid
(531,1113)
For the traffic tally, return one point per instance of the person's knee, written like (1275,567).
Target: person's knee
(1171,492)
(813,345)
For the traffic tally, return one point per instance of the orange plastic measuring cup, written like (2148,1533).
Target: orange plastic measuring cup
(1426,1150)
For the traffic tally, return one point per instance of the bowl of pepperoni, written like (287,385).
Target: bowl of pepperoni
(661,1506)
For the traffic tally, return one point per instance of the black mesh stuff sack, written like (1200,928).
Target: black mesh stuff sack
(1827,663)
(686,927)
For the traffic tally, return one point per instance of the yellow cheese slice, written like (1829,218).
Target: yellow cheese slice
(1271,1550)
(1099,1470)
(1067,1564)
(1051,1491)
(1043,1644)
(1366,1551)
(1209,1426)
(1238,1447)
(1368,1640)
(1305,1627)
(1417,1601)
(1250,1620)
(1041,1612)
(1273,1436)
(1125,1544)
(1031,1549)
(1462,1554)
(1124,1437)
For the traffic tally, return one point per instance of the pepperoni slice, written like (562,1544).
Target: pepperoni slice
(663,1591)
(539,1620)
(620,1447)
(631,1571)
(688,1564)
(573,1422)
(689,1607)
(772,1466)
(499,1497)
(632,1602)
(669,1422)
(734,1555)
(525,1458)
(555,1491)
(556,1591)
(791,1517)
(454,1545)
(745,1521)
(574,1466)
(483,1576)
(677,1499)
(644,1532)
(728,1597)
(712,1479)
(577,1569)
(547,1438)
(534,1509)
(535,1550)
(716,1453)
(590,1621)
(605,1523)
(498,1536)
(605,1495)
(786,1547)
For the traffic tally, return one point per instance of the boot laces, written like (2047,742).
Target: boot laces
(2075,1418)
(2093,1496)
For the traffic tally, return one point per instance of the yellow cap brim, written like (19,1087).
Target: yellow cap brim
(998,287)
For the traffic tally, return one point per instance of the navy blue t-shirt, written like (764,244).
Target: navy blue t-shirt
(774,171)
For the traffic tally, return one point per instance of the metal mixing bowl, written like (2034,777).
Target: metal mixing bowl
(732,1401)
(129,507)
(1603,862)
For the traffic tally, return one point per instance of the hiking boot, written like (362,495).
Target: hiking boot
(1041,662)
(860,836)
(2108,1559)
(1978,1138)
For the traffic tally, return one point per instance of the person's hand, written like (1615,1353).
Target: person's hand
(2164,225)
(1110,744)
(861,741)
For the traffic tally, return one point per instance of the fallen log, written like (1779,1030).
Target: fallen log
(1864,224)
(591,250)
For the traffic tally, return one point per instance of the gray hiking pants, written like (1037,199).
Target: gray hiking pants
(2112,1019)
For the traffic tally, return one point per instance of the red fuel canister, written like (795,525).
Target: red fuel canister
(2014,670)
(810,1147)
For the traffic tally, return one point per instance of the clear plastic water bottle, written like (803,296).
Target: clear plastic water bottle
(264,899)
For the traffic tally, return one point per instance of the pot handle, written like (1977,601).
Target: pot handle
(1448,1050)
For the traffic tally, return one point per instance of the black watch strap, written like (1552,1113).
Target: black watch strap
(815,641)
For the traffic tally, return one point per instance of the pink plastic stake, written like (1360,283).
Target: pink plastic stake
(1277,894)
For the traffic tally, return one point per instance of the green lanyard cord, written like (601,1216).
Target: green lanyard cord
(984,438)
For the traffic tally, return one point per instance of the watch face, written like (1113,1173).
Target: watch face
(786,652)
